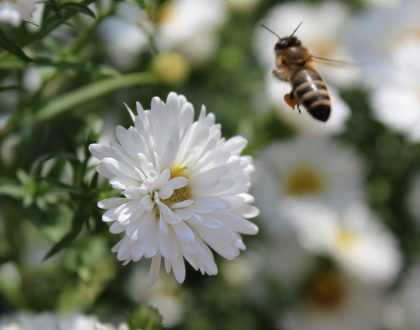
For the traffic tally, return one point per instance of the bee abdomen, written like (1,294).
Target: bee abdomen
(311,91)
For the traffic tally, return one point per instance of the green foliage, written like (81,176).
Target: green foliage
(145,318)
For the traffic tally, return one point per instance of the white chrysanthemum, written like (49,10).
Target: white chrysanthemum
(305,169)
(333,301)
(46,321)
(184,189)
(190,27)
(325,40)
(303,122)
(14,12)
(391,53)
(354,238)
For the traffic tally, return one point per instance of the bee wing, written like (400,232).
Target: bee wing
(338,63)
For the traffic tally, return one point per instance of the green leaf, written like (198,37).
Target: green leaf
(74,98)
(11,189)
(145,318)
(78,220)
(49,25)
(12,48)
(81,8)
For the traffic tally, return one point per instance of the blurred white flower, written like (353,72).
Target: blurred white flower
(333,301)
(190,26)
(184,189)
(165,295)
(392,70)
(123,37)
(303,122)
(321,33)
(13,12)
(354,238)
(305,169)
(44,321)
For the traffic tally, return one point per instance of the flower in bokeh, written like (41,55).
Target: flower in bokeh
(123,37)
(354,238)
(184,187)
(46,321)
(324,41)
(333,301)
(14,12)
(190,27)
(391,52)
(165,295)
(305,169)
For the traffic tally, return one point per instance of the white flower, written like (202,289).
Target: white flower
(44,321)
(393,70)
(354,238)
(305,169)
(123,37)
(165,295)
(190,27)
(333,301)
(184,189)
(14,12)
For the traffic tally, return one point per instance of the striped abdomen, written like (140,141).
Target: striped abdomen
(311,91)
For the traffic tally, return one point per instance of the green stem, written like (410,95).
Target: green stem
(72,99)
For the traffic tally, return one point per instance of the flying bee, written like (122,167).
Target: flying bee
(295,64)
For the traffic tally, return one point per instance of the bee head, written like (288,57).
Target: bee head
(287,42)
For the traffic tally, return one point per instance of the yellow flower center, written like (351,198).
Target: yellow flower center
(326,292)
(345,238)
(304,181)
(180,194)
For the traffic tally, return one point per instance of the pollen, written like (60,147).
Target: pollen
(304,181)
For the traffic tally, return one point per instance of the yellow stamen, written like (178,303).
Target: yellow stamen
(304,181)
(345,238)
(326,292)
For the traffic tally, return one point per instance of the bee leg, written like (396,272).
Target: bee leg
(291,101)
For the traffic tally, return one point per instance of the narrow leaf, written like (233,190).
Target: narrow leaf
(81,8)
(12,48)
(74,98)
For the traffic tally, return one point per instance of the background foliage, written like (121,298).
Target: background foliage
(54,250)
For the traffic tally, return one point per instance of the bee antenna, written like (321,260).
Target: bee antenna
(268,29)
(297,28)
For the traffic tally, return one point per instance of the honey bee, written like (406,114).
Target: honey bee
(295,64)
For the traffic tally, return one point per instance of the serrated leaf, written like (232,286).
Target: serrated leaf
(81,8)
(12,48)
